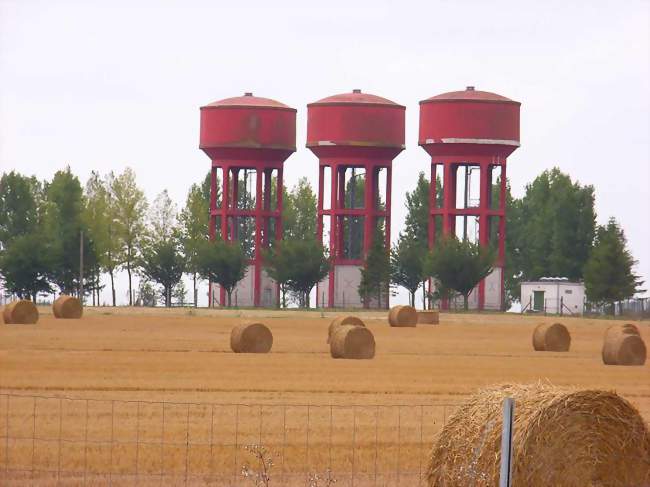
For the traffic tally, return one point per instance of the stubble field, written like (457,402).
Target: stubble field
(131,395)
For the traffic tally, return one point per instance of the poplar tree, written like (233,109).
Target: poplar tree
(609,275)
(130,207)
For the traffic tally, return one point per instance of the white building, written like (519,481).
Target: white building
(554,295)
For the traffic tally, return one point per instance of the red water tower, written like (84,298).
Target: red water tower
(470,134)
(248,139)
(355,136)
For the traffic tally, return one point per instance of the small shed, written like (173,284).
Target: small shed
(554,295)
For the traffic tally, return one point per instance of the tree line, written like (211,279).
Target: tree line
(551,231)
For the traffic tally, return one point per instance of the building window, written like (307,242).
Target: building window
(568,291)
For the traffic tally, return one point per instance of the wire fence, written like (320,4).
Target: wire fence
(70,441)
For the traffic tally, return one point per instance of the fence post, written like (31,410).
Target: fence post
(506,443)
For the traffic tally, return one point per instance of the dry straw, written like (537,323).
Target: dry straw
(251,338)
(428,317)
(570,438)
(623,345)
(352,342)
(21,312)
(340,321)
(402,316)
(551,338)
(67,307)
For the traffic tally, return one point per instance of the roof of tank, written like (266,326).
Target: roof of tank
(356,97)
(248,100)
(470,94)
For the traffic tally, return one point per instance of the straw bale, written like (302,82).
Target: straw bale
(352,342)
(428,317)
(343,320)
(67,307)
(251,338)
(20,312)
(402,316)
(551,338)
(623,345)
(562,437)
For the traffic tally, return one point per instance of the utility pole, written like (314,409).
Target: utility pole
(81,266)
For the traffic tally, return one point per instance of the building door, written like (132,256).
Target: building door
(538,300)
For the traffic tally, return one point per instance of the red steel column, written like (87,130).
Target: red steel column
(333,232)
(257,254)
(483,226)
(368,209)
(319,217)
(389,201)
(432,205)
(279,185)
(225,203)
(266,207)
(340,219)
(502,233)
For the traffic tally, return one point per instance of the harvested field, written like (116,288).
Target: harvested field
(129,360)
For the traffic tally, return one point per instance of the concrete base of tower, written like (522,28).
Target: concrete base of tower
(346,290)
(492,297)
(244,294)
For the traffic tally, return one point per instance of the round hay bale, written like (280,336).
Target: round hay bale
(402,316)
(551,338)
(561,438)
(343,320)
(20,312)
(352,342)
(623,345)
(629,328)
(251,338)
(428,317)
(67,307)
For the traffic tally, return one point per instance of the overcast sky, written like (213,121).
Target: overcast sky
(105,85)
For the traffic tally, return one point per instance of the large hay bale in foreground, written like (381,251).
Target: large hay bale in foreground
(428,317)
(20,312)
(551,338)
(251,338)
(67,307)
(340,321)
(352,342)
(623,345)
(403,316)
(561,438)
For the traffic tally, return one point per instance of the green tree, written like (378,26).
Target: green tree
(130,207)
(407,265)
(459,265)
(550,231)
(195,221)
(146,294)
(277,263)
(416,224)
(63,225)
(299,212)
(222,262)
(98,219)
(376,273)
(25,265)
(18,206)
(162,262)
(609,275)
(297,265)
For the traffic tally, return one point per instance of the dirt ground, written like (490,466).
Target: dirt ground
(184,356)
